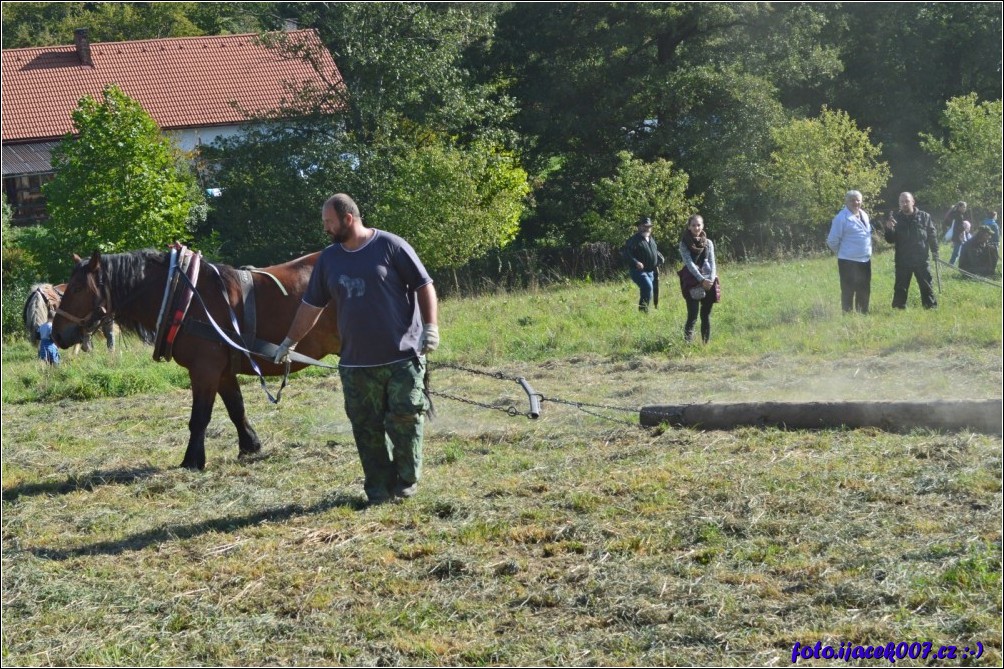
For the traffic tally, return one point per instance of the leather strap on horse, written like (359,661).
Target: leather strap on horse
(188,268)
(250,312)
(230,342)
(104,293)
(158,340)
(175,303)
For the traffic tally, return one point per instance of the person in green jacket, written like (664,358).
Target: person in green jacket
(643,257)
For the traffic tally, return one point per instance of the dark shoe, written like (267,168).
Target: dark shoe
(405,491)
(688,336)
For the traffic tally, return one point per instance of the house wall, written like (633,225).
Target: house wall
(192,138)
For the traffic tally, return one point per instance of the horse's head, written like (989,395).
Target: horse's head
(86,303)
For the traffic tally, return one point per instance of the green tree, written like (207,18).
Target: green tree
(969,155)
(405,87)
(452,204)
(27,24)
(637,189)
(693,83)
(405,63)
(902,61)
(119,184)
(815,162)
(273,181)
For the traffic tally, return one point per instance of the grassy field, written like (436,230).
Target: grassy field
(575,539)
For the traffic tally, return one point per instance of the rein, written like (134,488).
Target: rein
(243,346)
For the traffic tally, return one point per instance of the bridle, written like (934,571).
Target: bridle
(102,309)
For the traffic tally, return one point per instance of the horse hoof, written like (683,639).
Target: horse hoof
(193,467)
(250,456)
(245,451)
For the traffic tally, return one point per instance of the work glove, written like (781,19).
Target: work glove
(429,340)
(282,353)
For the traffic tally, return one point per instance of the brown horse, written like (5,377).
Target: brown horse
(130,287)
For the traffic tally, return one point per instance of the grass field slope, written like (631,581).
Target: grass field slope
(579,538)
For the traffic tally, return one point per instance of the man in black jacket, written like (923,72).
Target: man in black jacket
(914,234)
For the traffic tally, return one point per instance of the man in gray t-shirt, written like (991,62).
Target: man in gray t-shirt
(387,320)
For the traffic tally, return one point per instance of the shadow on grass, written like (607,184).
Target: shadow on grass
(75,483)
(173,533)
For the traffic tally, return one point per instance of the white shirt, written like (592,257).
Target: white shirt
(851,236)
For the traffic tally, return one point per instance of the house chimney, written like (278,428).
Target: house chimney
(83,46)
(289,25)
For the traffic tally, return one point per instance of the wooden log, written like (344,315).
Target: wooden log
(983,416)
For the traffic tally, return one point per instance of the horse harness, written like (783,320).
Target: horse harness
(102,312)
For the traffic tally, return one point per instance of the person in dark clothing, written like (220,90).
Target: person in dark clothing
(953,224)
(979,254)
(643,257)
(914,234)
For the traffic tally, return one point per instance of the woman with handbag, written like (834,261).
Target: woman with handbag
(698,278)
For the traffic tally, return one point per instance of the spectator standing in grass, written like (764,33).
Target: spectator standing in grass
(700,289)
(957,229)
(643,257)
(995,230)
(851,239)
(914,235)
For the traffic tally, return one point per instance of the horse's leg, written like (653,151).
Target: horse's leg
(204,385)
(230,391)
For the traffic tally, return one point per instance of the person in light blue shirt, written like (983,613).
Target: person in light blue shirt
(995,230)
(47,349)
(851,239)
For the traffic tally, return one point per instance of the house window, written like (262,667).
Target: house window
(24,193)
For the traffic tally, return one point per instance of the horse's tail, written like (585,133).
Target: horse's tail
(36,311)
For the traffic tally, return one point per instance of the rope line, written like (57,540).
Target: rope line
(969,275)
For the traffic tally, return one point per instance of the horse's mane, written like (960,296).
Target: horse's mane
(127,272)
(36,310)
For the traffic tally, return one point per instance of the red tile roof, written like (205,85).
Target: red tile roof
(186,82)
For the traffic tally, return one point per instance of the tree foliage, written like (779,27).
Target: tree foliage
(688,82)
(119,184)
(453,204)
(968,156)
(416,142)
(27,24)
(638,189)
(404,63)
(901,62)
(815,162)
(568,87)
(273,182)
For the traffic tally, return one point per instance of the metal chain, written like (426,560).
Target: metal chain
(492,375)
(581,406)
(512,411)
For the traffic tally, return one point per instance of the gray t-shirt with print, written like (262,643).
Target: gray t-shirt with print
(374,288)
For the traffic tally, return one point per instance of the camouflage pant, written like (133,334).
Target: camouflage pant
(386,406)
